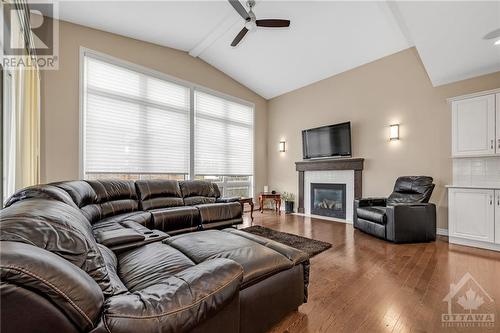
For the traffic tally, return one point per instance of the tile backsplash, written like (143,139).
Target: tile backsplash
(477,171)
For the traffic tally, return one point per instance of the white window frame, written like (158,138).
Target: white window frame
(162,76)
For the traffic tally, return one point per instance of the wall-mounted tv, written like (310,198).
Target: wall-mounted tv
(327,141)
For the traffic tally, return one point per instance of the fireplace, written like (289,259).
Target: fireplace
(328,200)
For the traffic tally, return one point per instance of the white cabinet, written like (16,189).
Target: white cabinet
(475,126)
(497,217)
(472,214)
(498,124)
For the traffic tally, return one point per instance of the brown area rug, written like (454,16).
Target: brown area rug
(311,246)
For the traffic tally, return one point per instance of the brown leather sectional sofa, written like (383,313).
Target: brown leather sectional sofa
(100,256)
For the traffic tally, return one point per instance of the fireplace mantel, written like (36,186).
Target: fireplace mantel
(355,164)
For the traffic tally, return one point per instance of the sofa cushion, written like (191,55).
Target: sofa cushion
(150,264)
(111,263)
(58,228)
(41,192)
(178,302)
(198,200)
(136,220)
(219,211)
(411,189)
(112,197)
(372,213)
(199,188)
(175,218)
(158,193)
(80,191)
(258,261)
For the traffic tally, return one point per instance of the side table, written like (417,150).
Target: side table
(276,197)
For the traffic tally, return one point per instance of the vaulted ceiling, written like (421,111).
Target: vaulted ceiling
(325,37)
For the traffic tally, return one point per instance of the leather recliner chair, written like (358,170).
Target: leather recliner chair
(406,216)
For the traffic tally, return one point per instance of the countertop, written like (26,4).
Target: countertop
(486,187)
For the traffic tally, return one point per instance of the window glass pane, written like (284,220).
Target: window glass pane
(240,191)
(134,176)
(134,123)
(223,142)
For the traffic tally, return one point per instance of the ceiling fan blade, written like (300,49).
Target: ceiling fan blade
(273,23)
(240,9)
(493,34)
(239,36)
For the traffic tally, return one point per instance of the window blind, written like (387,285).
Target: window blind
(134,122)
(223,136)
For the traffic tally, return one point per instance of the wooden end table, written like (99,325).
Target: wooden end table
(270,196)
(249,201)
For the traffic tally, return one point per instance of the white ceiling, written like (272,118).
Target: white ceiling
(325,37)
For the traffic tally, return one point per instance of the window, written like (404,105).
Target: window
(134,124)
(223,143)
(138,124)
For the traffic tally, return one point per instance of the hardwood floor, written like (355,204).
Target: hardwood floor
(363,284)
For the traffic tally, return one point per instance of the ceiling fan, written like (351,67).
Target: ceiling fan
(251,21)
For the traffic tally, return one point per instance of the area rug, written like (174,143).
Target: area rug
(311,246)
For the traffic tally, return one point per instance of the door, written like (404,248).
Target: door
(473,126)
(472,214)
(497,217)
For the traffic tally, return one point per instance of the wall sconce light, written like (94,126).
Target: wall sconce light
(282,146)
(394,135)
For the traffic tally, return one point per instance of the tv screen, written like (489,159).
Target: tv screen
(327,141)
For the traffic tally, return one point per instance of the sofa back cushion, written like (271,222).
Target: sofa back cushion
(41,192)
(158,193)
(411,189)
(197,192)
(112,197)
(59,228)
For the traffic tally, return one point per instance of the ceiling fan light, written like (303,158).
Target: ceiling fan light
(497,42)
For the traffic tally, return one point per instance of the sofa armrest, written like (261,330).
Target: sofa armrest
(414,222)
(37,272)
(177,304)
(228,199)
(366,202)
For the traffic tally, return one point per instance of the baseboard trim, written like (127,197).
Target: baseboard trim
(324,218)
(474,243)
(442,232)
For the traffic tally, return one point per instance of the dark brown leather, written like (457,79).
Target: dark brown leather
(178,303)
(282,292)
(411,189)
(58,228)
(372,213)
(258,261)
(150,264)
(192,188)
(56,270)
(198,200)
(135,220)
(42,272)
(219,211)
(158,193)
(41,192)
(80,191)
(176,218)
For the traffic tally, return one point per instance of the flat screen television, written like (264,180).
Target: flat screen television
(327,141)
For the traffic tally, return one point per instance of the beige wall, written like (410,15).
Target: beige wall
(395,89)
(60,101)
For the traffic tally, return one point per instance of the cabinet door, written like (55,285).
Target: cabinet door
(498,124)
(473,126)
(497,217)
(472,214)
